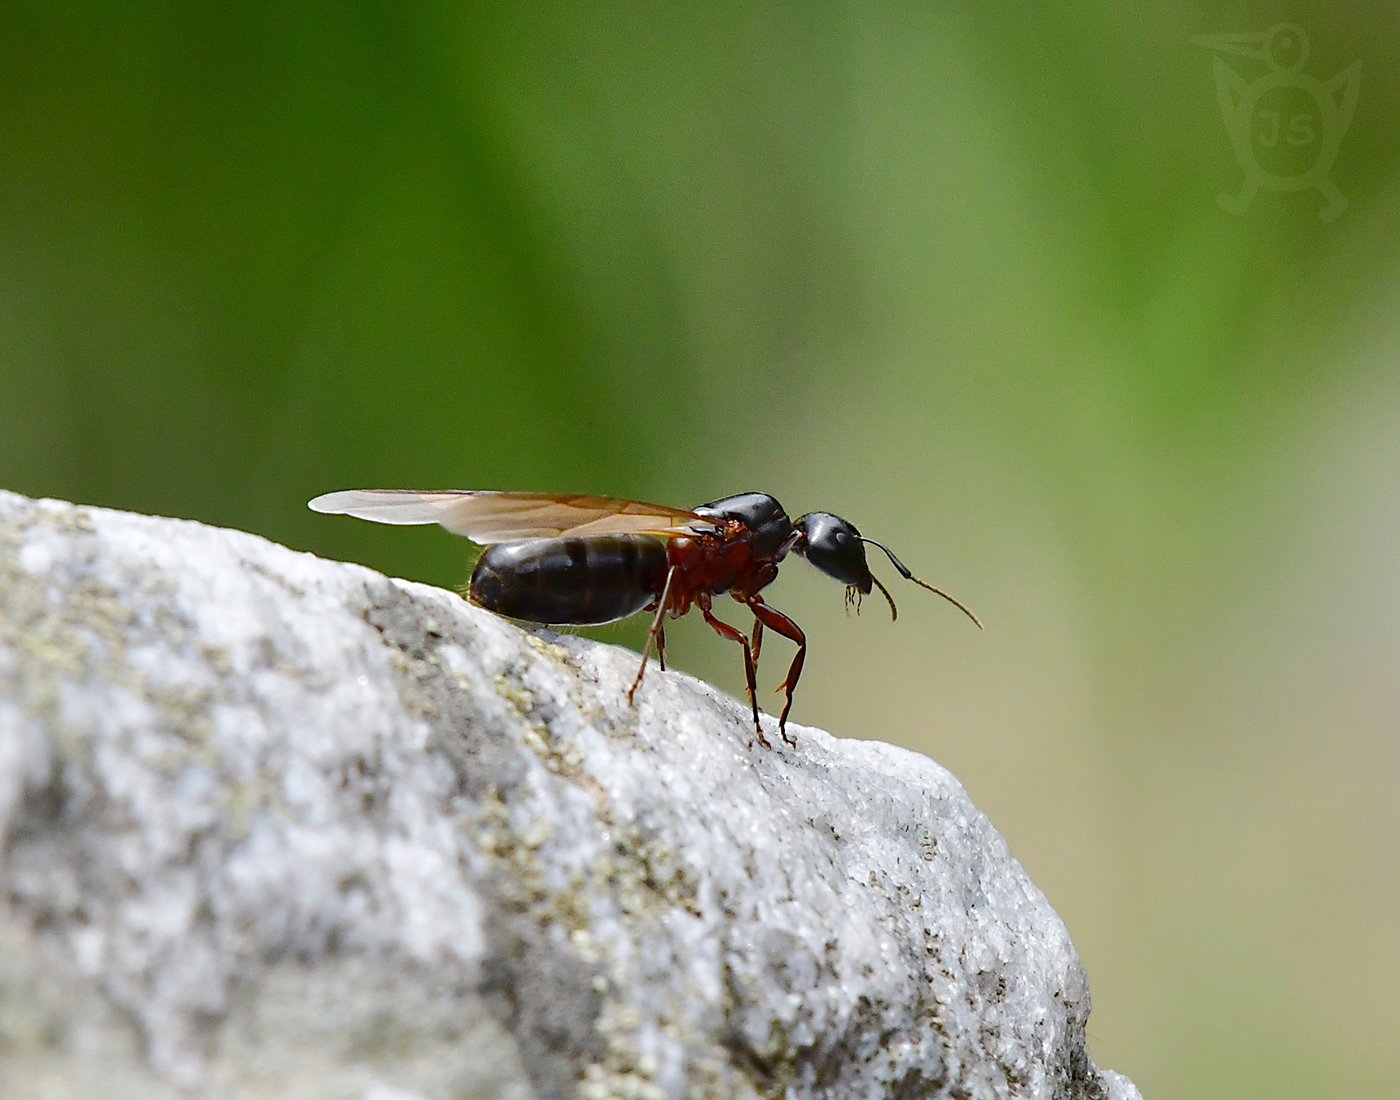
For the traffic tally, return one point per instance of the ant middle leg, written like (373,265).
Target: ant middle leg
(724,630)
(776,620)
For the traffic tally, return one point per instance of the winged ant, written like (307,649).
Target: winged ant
(559,558)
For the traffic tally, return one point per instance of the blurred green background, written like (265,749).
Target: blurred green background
(956,272)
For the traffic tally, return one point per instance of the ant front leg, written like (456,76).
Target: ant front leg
(776,620)
(724,630)
(661,645)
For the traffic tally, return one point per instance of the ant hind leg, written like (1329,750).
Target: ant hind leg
(657,630)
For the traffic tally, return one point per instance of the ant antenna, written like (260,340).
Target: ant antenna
(894,611)
(908,576)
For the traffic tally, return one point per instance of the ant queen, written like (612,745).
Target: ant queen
(583,560)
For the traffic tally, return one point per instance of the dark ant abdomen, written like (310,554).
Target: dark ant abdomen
(582,580)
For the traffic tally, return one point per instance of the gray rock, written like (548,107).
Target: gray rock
(277,826)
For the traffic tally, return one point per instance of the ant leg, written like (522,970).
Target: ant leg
(656,628)
(790,630)
(756,638)
(661,645)
(724,630)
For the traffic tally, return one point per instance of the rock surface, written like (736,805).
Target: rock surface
(274,826)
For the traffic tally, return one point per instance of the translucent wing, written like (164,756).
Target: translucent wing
(487,517)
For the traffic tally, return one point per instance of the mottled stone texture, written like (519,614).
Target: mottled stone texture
(274,826)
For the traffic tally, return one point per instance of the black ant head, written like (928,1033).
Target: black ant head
(835,547)
(838,550)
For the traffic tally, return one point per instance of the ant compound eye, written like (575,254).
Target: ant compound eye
(834,546)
